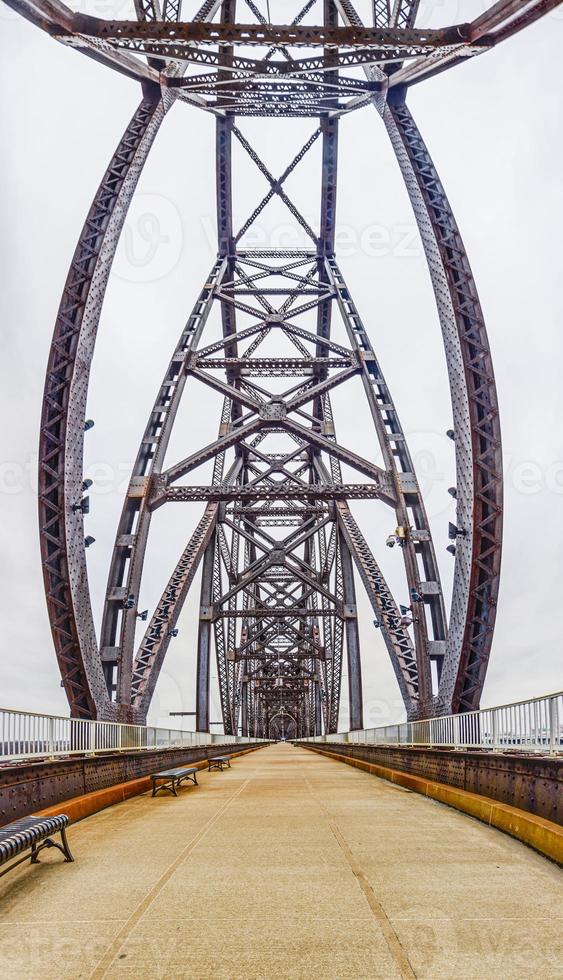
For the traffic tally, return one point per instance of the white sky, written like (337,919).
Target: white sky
(495,129)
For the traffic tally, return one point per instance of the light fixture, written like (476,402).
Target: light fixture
(86,484)
(455,532)
(173,632)
(391,541)
(143,615)
(451,434)
(404,610)
(83,505)
(376,623)
(452,492)
(129,601)
(451,549)
(89,424)
(88,540)
(415,596)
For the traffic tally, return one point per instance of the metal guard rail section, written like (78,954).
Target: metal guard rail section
(28,735)
(535,725)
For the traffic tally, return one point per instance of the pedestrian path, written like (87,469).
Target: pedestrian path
(288,865)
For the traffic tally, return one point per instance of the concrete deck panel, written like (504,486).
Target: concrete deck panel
(288,865)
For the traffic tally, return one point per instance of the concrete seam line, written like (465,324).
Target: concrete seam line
(537,832)
(394,944)
(109,956)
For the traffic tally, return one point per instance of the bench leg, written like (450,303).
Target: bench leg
(229,763)
(66,849)
(49,842)
(192,777)
(168,787)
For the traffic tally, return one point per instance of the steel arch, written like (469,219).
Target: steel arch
(295,595)
(64,414)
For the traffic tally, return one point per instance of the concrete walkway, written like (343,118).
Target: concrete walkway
(289,865)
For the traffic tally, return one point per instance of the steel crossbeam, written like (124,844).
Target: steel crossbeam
(277,554)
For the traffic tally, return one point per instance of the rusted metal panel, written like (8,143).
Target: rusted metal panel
(29,787)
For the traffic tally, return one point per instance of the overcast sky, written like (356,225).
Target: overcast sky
(495,129)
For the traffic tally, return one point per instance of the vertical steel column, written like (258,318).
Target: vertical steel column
(318,711)
(352,637)
(244,708)
(204,639)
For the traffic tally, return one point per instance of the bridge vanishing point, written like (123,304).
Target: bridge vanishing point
(341,852)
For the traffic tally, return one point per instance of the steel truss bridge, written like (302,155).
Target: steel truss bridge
(277,543)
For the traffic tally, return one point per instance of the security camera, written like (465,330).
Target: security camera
(391,541)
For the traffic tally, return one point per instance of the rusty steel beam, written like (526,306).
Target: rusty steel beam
(476,421)
(63,417)
(268,34)
(498,23)
(507,17)
(57,20)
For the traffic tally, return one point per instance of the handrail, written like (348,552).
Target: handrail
(30,735)
(535,725)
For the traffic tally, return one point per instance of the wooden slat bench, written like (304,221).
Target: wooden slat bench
(218,762)
(32,833)
(169,779)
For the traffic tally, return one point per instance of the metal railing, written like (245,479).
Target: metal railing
(27,735)
(525,726)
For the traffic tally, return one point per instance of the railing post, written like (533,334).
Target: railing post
(456,732)
(51,738)
(495,730)
(554,736)
(537,725)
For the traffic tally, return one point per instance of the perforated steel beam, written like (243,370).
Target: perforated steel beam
(476,420)
(63,416)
